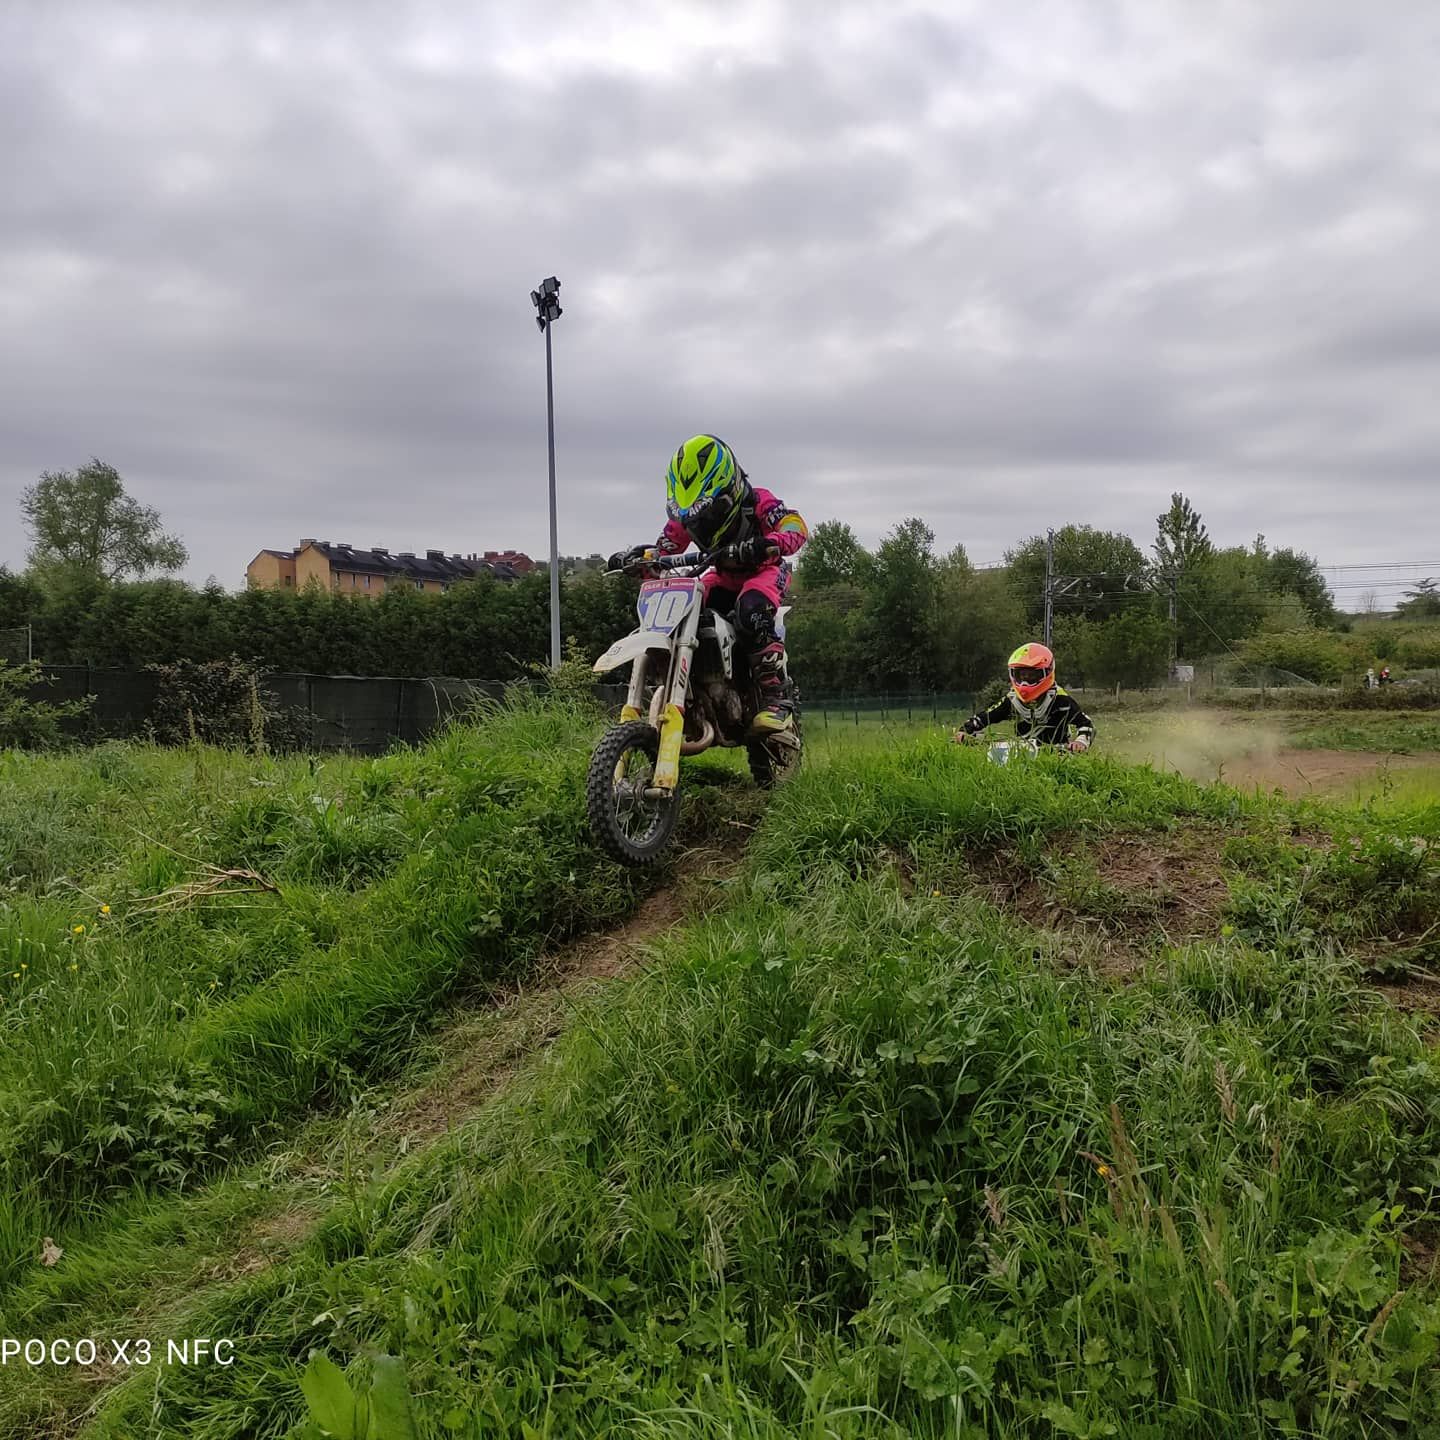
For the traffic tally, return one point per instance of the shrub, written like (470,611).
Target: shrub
(1419,649)
(225,703)
(26,723)
(1319,655)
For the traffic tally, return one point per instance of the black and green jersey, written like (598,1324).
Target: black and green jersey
(1049,720)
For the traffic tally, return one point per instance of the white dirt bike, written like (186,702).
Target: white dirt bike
(690,688)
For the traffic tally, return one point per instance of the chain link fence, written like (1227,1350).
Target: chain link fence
(825,712)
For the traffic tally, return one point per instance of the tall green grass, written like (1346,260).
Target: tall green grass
(851,1161)
(867,1170)
(147,1046)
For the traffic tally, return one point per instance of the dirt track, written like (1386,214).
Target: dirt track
(1249,752)
(1304,772)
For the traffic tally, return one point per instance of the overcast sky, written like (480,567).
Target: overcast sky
(1000,266)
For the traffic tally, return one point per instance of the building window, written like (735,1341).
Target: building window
(419,584)
(367,582)
(289,579)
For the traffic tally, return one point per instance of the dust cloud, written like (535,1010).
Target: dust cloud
(1200,745)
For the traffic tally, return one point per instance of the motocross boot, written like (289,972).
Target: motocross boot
(768,668)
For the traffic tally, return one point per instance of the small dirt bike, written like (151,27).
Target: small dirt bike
(690,688)
(1006,752)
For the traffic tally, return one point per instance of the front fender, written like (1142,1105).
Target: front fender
(630,647)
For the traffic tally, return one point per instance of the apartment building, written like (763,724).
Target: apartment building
(341,567)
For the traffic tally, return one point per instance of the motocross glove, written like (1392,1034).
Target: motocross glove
(1078,745)
(623,558)
(746,554)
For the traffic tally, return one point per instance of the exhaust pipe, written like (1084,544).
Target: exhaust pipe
(706,740)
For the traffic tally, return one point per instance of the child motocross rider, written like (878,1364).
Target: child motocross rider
(1041,709)
(748,534)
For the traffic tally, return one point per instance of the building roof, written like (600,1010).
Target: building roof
(434,565)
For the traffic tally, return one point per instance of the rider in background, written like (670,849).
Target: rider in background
(1041,709)
(749,535)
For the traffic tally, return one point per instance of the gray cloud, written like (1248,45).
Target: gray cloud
(1000,268)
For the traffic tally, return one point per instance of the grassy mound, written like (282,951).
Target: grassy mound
(197,948)
(855,1159)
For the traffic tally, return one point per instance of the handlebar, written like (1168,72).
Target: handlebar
(679,562)
(691,560)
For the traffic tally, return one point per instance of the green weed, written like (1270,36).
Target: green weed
(846,1161)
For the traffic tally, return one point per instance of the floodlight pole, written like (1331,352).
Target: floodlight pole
(554,522)
(547,304)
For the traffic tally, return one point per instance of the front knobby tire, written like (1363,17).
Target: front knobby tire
(772,761)
(627,826)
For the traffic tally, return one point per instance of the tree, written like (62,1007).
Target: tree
(597,609)
(1181,540)
(20,601)
(901,608)
(1183,553)
(1222,600)
(1131,649)
(833,556)
(1284,615)
(1104,559)
(1421,603)
(85,527)
(1292,572)
(825,635)
(980,622)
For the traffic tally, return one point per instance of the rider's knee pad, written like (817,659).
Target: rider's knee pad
(755,619)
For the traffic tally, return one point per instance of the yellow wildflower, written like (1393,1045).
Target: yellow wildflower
(77,929)
(1104,1170)
(104,909)
(74,967)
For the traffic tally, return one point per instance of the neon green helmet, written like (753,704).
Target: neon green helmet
(704,488)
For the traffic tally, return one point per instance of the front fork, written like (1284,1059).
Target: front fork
(672,717)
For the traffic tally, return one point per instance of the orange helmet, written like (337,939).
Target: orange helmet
(1032,671)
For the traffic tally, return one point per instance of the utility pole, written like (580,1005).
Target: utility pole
(546,301)
(1049,582)
(1174,588)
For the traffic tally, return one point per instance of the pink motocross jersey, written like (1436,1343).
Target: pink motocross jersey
(774,520)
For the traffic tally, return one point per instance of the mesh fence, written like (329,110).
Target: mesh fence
(342,712)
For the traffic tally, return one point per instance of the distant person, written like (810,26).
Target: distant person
(1370,681)
(749,535)
(1385,676)
(1041,709)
